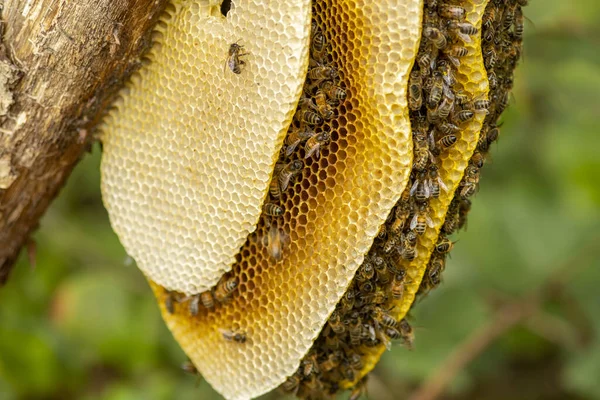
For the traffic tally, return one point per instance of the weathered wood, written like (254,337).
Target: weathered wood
(61,62)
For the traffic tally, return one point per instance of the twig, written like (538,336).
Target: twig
(507,317)
(504,319)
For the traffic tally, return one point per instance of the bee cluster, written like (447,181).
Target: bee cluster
(502,40)
(439,108)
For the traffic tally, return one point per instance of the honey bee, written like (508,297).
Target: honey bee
(356,361)
(355,329)
(493,79)
(435,36)
(421,220)
(470,181)
(452,12)
(321,73)
(235,336)
(434,272)
(415,90)
(366,288)
(225,288)
(292,383)
(390,244)
(348,300)
(408,253)
(314,144)
(465,207)
(451,221)
(272,210)
(383,275)
(207,299)
(445,106)
(318,48)
(426,62)
(288,172)
(437,89)
(489,18)
(463,27)
(234,61)
(397,287)
(308,117)
(463,116)
(400,216)
(436,184)
(368,335)
(446,142)
(189,368)
(422,154)
(407,333)
(360,389)
(310,365)
(335,322)
(332,361)
(347,371)
(295,137)
(490,56)
(444,245)
(519,24)
(334,92)
(477,159)
(314,28)
(323,106)
(382,232)
(170,301)
(456,51)
(447,128)
(194,305)
(365,272)
(482,104)
(275,243)
(420,189)
(378,297)
(492,135)
(509,17)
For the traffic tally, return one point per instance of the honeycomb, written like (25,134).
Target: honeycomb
(190,146)
(332,211)
(353,221)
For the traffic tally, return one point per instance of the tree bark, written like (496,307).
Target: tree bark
(61,63)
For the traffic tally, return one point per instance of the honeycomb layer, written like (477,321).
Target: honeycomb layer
(190,146)
(332,211)
(364,326)
(472,77)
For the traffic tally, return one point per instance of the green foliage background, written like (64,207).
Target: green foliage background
(84,325)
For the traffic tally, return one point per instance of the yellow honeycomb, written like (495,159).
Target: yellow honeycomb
(189,149)
(332,212)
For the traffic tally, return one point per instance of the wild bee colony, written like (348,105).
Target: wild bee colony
(397,111)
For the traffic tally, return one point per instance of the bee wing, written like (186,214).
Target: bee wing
(464,37)
(316,149)
(453,60)
(290,148)
(442,184)
(414,187)
(429,221)
(414,220)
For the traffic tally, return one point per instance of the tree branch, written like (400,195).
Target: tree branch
(61,62)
